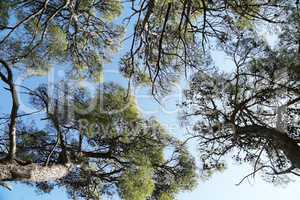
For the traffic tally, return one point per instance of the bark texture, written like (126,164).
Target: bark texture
(33,172)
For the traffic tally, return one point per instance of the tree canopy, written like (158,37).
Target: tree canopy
(171,37)
(98,144)
(253,113)
(100,152)
(168,38)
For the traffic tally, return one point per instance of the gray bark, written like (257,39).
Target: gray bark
(33,172)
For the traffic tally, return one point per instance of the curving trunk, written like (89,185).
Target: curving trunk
(280,139)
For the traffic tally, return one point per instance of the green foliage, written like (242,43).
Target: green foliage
(244,24)
(188,179)
(113,9)
(118,103)
(58,42)
(137,184)
(172,36)
(234,111)
(82,35)
(127,154)
(165,196)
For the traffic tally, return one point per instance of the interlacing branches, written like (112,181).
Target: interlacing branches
(250,114)
(171,37)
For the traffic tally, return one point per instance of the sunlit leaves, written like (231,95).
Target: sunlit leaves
(80,34)
(137,184)
(165,196)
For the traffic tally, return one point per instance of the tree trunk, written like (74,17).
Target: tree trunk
(33,172)
(280,139)
(14,110)
(13,123)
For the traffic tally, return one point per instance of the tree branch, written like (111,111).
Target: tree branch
(32,172)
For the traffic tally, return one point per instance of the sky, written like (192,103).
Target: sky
(221,186)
